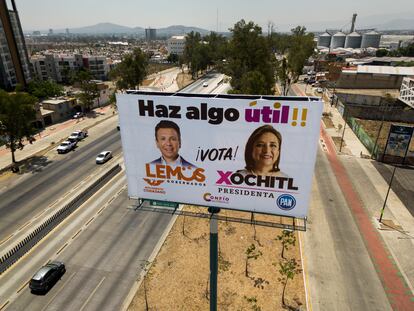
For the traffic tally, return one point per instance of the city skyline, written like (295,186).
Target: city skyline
(214,15)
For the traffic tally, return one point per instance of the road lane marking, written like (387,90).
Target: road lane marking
(4,305)
(61,249)
(59,290)
(89,221)
(23,286)
(26,224)
(6,239)
(90,296)
(76,234)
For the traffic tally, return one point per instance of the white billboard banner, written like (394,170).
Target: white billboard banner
(244,153)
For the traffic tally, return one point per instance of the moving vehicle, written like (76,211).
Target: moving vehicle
(205,84)
(103,157)
(66,146)
(78,135)
(319,90)
(78,115)
(47,276)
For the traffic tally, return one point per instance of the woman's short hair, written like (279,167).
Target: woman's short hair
(248,152)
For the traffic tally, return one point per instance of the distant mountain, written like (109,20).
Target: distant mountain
(109,28)
(180,30)
(396,24)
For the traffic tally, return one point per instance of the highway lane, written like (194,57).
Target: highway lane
(34,193)
(103,261)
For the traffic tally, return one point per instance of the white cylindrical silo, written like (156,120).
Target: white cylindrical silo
(324,40)
(371,40)
(353,40)
(338,40)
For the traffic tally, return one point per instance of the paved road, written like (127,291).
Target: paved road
(60,173)
(340,272)
(103,259)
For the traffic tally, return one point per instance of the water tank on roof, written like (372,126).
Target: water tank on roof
(371,40)
(338,40)
(353,40)
(324,40)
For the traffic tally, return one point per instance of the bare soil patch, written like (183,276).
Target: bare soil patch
(147,82)
(328,122)
(178,278)
(184,79)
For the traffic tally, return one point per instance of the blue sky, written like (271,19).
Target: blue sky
(45,14)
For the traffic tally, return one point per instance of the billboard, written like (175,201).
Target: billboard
(237,152)
(398,140)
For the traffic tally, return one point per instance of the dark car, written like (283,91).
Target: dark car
(47,276)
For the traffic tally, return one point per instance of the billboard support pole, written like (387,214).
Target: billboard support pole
(386,197)
(213,257)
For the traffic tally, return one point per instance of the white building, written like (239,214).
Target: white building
(59,67)
(407,91)
(176,45)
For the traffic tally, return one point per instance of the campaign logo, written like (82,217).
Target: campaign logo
(215,198)
(286,202)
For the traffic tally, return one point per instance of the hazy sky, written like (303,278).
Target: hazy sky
(45,14)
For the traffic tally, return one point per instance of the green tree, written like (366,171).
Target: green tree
(287,239)
(287,269)
(251,253)
(381,53)
(290,65)
(17,113)
(44,89)
(172,58)
(89,89)
(131,71)
(250,57)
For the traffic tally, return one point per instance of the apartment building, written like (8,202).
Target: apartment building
(58,67)
(176,45)
(14,61)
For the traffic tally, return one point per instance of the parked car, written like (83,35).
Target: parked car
(66,146)
(47,276)
(103,157)
(78,115)
(205,84)
(319,90)
(78,135)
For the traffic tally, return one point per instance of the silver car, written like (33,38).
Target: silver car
(103,157)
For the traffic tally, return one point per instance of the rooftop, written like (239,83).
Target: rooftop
(384,70)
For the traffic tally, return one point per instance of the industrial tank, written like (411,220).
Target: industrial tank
(353,40)
(371,40)
(338,40)
(324,40)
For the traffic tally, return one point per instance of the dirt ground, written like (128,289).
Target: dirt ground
(184,79)
(372,127)
(179,276)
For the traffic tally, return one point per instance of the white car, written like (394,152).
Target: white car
(66,146)
(319,90)
(78,115)
(78,135)
(205,84)
(103,157)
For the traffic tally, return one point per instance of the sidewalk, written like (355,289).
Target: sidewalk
(51,136)
(365,195)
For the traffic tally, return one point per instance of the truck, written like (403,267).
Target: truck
(78,135)
(66,146)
